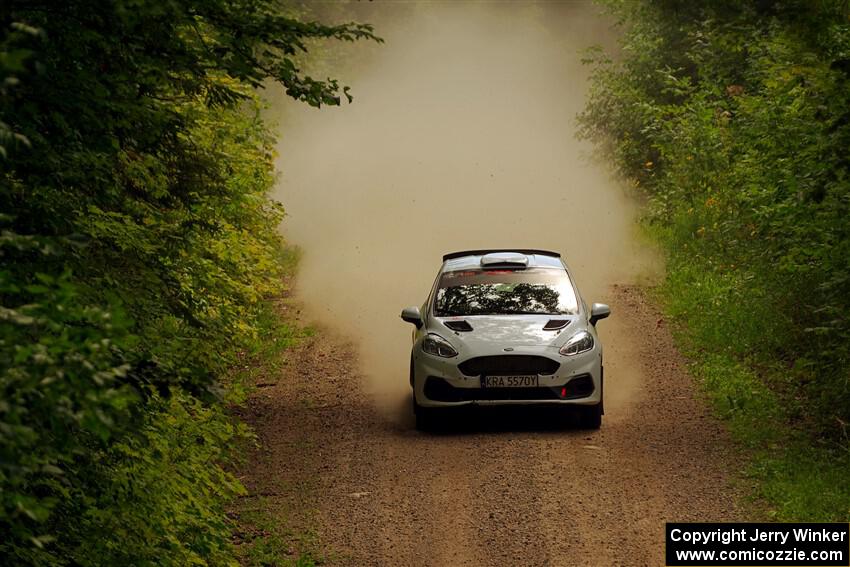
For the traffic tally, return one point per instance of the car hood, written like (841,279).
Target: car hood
(508,330)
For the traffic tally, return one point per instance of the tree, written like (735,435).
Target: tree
(137,244)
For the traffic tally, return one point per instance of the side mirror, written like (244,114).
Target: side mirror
(412,315)
(599,311)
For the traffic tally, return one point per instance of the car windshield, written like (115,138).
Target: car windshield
(538,291)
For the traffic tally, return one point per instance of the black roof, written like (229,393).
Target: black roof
(463,253)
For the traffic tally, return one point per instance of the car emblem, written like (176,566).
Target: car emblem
(509,349)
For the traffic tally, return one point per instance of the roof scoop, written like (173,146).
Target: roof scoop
(555,324)
(459,326)
(504,260)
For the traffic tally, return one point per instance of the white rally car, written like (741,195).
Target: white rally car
(505,327)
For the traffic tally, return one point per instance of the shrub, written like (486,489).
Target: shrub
(138,246)
(732,118)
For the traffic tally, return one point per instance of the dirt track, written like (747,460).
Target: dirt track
(497,488)
(462,137)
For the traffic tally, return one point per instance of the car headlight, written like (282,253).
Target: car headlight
(438,346)
(578,343)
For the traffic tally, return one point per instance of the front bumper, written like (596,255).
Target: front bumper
(438,382)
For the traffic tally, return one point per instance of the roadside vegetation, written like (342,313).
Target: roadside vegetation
(262,533)
(732,120)
(139,252)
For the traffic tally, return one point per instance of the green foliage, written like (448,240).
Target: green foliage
(62,392)
(733,120)
(265,538)
(165,491)
(799,479)
(139,250)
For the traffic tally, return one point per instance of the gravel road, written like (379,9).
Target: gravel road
(496,488)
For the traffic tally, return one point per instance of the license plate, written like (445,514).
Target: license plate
(527,381)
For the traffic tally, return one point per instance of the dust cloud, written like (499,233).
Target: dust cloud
(461,136)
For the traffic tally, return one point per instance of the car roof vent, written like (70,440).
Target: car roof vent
(504,260)
(535,251)
(555,324)
(459,326)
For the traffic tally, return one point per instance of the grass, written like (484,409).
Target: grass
(262,536)
(798,479)
(265,539)
(793,475)
(265,356)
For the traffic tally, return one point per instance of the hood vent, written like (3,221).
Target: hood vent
(459,326)
(555,324)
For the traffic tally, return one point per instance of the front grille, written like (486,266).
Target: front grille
(508,364)
(440,390)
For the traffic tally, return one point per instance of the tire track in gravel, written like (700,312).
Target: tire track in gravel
(496,488)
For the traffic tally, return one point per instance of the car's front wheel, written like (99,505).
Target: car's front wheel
(424,416)
(590,417)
